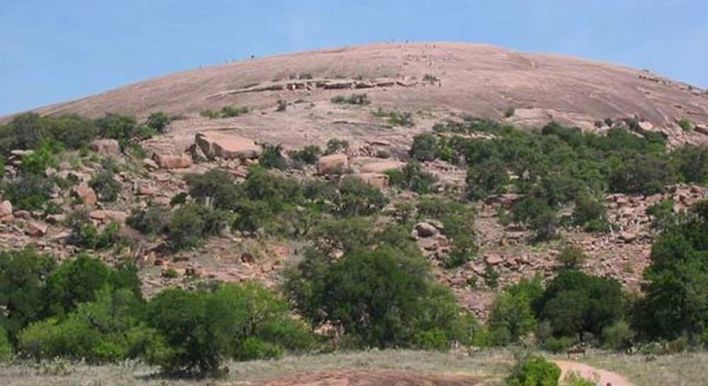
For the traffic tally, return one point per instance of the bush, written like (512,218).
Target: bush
(591,214)
(186,227)
(354,99)
(642,174)
(691,164)
(38,161)
(106,187)
(159,121)
(215,187)
(424,148)
(308,155)
(122,128)
(22,285)
(151,221)
(85,234)
(412,177)
(662,213)
(77,281)
(104,330)
(225,112)
(534,371)
(359,199)
(395,117)
(272,158)
(686,124)
(6,352)
(571,257)
(487,178)
(282,105)
(200,329)
(575,303)
(677,279)
(618,336)
(28,192)
(335,145)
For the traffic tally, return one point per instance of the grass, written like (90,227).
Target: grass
(489,365)
(677,369)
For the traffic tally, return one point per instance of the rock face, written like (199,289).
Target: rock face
(106,146)
(171,161)
(5,208)
(36,229)
(214,144)
(377,180)
(383,166)
(332,164)
(85,194)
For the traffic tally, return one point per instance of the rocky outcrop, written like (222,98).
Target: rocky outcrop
(171,161)
(377,180)
(214,144)
(36,229)
(85,194)
(332,164)
(105,146)
(382,166)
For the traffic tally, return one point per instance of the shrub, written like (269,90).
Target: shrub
(557,345)
(395,117)
(430,78)
(424,148)
(675,304)
(571,257)
(38,161)
(122,128)
(691,164)
(335,145)
(458,227)
(186,227)
(412,177)
(77,281)
(308,155)
(22,285)
(159,121)
(575,303)
(272,158)
(662,213)
(215,187)
(28,192)
(359,199)
(6,352)
(591,214)
(487,178)
(85,234)
(573,379)
(686,124)
(354,99)
(534,371)
(150,221)
(225,112)
(642,174)
(105,185)
(105,329)
(618,336)
(282,105)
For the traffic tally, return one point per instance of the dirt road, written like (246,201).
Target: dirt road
(601,377)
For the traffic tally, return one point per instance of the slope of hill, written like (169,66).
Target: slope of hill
(437,80)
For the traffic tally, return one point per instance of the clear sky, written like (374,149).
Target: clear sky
(56,50)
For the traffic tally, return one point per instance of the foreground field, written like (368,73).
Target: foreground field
(364,368)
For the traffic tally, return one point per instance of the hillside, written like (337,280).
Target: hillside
(439,79)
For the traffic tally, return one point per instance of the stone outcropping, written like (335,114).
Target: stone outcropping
(172,161)
(333,164)
(215,144)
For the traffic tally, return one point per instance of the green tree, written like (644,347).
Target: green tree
(534,371)
(272,158)
(23,276)
(424,148)
(159,121)
(512,315)
(359,199)
(575,302)
(676,301)
(487,178)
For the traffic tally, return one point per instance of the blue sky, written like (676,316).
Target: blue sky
(56,50)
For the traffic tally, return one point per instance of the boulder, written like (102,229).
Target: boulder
(23,214)
(332,164)
(85,194)
(493,259)
(109,215)
(216,144)
(382,166)
(172,161)
(36,229)
(425,230)
(5,208)
(105,146)
(150,164)
(147,190)
(628,237)
(377,180)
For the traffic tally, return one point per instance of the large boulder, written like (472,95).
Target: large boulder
(109,215)
(216,144)
(332,164)
(5,208)
(377,180)
(36,229)
(85,194)
(172,161)
(105,146)
(382,166)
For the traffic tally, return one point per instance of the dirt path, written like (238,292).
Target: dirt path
(372,377)
(601,377)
